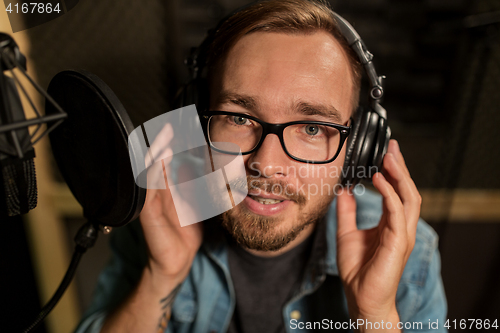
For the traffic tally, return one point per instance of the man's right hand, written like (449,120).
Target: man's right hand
(171,249)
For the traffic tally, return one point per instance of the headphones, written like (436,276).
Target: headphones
(369,137)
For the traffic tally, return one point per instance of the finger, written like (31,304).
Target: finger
(396,151)
(152,207)
(150,196)
(395,216)
(155,176)
(160,148)
(157,190)
(404,187)
(346,214)
(383,218)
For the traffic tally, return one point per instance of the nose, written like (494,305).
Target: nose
(270,160)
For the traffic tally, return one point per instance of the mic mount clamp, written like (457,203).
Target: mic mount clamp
(11,58)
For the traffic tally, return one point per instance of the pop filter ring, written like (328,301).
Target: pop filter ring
(87,234)
(107,193)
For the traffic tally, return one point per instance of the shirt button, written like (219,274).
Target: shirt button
(295,314)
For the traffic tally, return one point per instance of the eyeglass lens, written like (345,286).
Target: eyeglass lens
(310,142)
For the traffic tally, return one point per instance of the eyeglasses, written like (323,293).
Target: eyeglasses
(315,142)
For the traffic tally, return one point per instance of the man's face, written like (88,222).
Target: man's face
(280,78)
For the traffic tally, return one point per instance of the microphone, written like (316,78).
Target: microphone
(18,190)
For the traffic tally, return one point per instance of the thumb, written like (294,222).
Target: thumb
(346,214)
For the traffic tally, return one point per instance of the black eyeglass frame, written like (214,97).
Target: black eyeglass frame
(277,129)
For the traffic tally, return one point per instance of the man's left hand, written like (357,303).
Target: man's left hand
(371,262)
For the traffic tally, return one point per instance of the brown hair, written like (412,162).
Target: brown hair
(286,16)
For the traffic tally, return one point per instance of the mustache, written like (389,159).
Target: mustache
(271,186)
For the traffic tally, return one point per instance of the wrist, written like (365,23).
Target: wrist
(379,321)
(154,281)
(161,274)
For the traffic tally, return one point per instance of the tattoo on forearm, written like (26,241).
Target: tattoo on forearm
(165,304)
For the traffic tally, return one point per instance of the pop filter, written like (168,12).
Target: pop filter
(91,148)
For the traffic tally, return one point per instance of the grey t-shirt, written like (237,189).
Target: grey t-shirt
(264,285)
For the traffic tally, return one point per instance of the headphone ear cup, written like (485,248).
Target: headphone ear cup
(383,137)
(354,145)
(367,150)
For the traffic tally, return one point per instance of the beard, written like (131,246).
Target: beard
(264,233)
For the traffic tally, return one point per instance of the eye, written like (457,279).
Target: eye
(311,129)
(239,120)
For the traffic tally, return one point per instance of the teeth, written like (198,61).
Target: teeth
(266,201)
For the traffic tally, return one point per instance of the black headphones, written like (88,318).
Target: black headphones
(369,137)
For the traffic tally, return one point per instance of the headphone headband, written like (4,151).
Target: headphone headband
(365,57)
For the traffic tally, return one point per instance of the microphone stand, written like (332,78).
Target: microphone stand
(84,239)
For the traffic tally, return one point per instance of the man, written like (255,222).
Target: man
(288,260)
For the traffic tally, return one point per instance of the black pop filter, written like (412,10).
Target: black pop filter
(91,148)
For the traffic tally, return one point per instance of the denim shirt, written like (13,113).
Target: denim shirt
(206,300)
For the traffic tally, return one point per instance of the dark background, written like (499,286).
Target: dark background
(442,62)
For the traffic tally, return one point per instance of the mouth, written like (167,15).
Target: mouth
(266,205)
(265,201)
